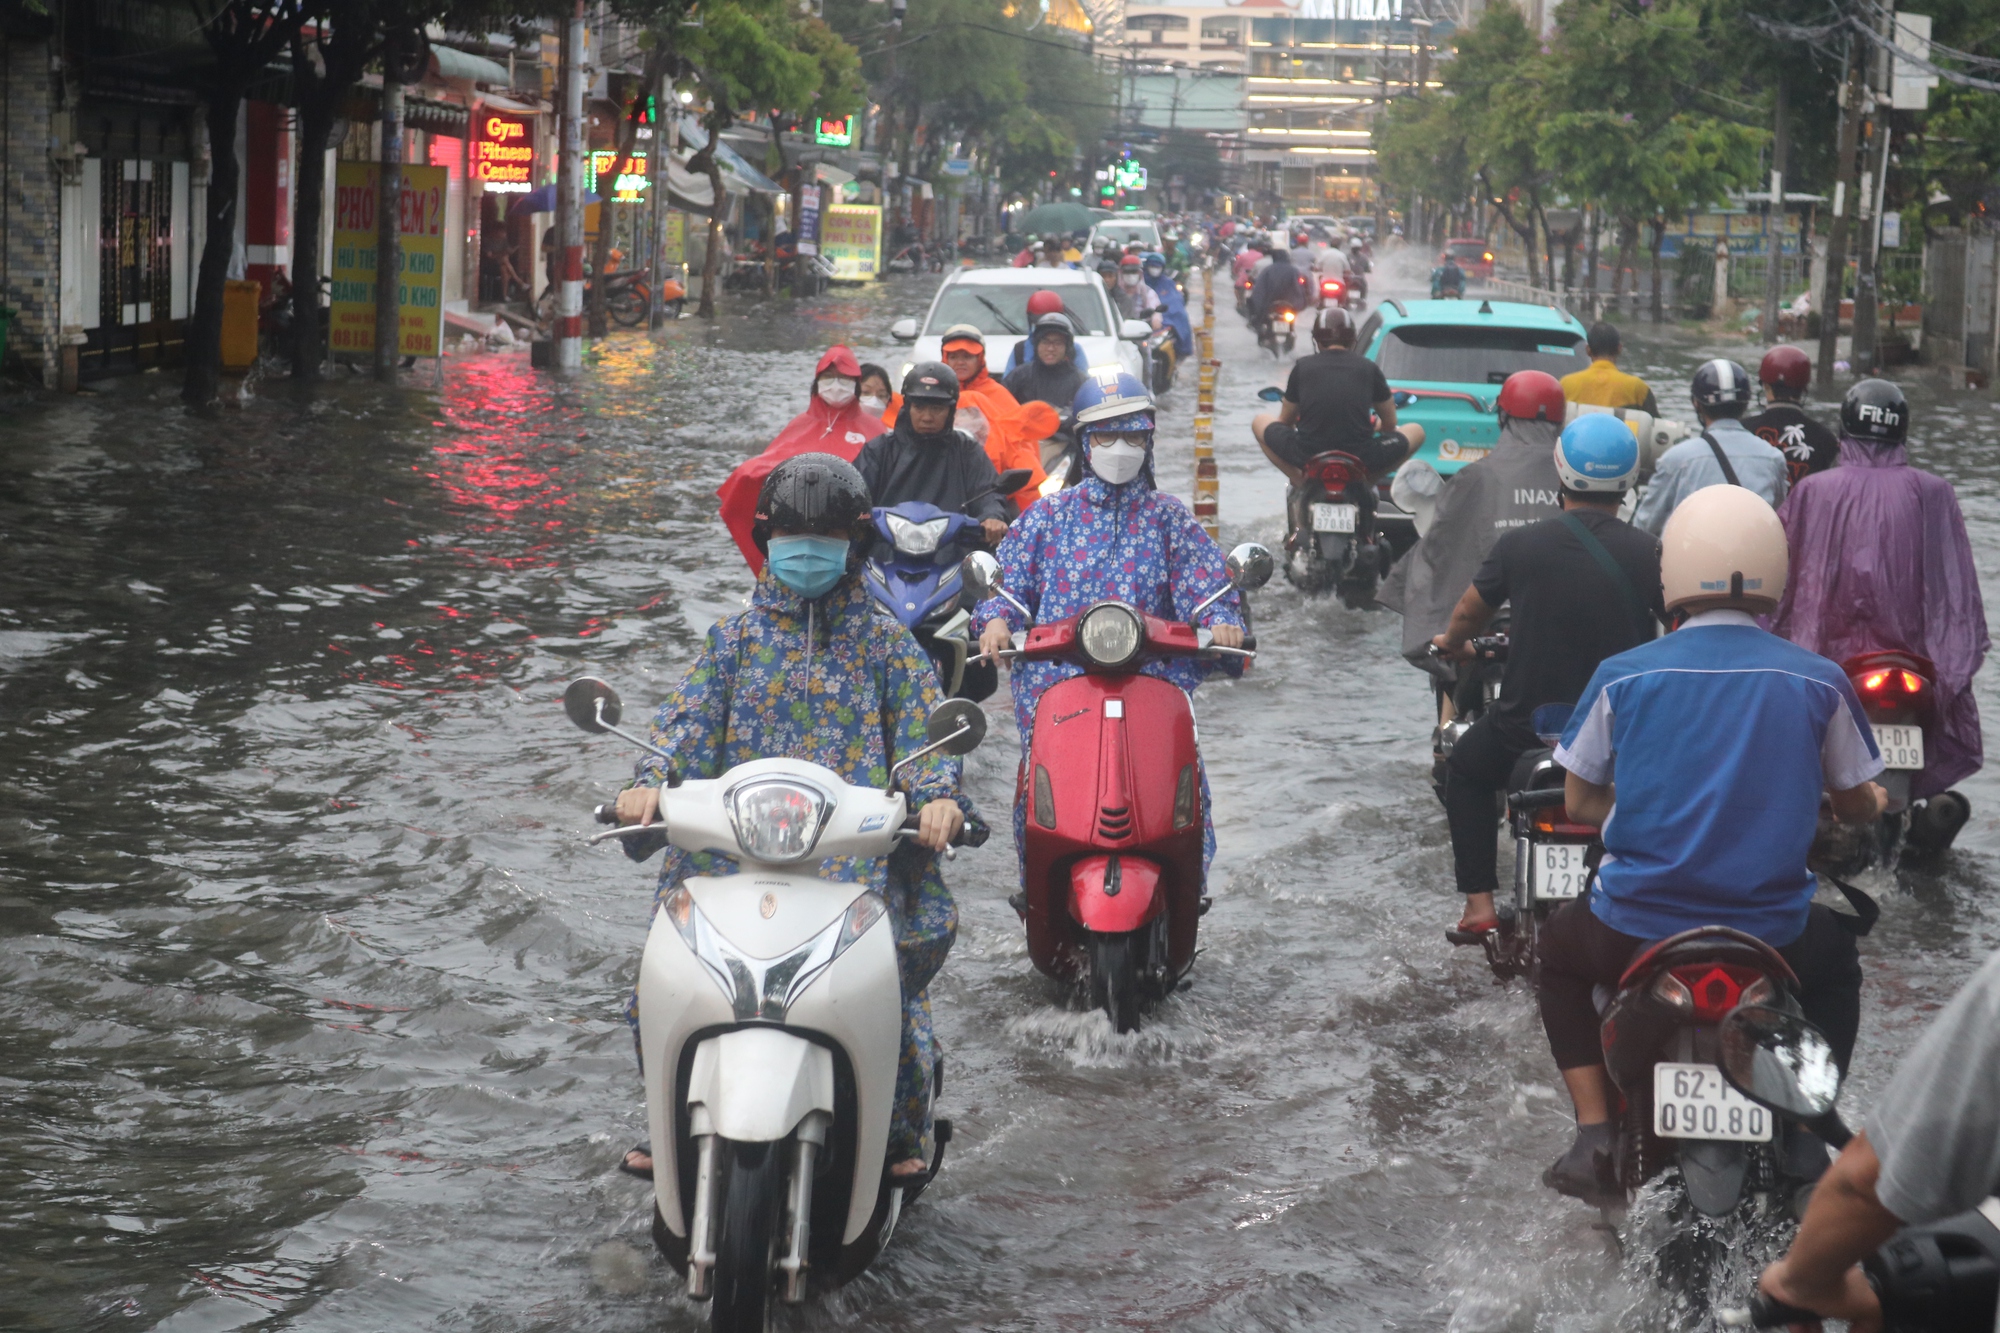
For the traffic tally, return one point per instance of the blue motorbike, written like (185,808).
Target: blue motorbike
(914,573)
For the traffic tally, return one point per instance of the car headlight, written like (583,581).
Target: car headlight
(916,538)
(1110,634)
(778,820)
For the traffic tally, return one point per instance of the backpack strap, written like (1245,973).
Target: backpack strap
(1641,617)
(1722,459)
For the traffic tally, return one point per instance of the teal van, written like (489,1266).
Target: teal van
(1446,360)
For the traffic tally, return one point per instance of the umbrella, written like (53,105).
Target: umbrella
(542,200)
(1060,218)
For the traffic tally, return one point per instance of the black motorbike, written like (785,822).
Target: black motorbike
(1278,330)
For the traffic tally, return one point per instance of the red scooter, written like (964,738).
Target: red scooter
(1112,889)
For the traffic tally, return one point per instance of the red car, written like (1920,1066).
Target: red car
(1473,256)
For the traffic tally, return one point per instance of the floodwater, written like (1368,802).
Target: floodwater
(311,990)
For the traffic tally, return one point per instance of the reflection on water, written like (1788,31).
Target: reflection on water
(312,990)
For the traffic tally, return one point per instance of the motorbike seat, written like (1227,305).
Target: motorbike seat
(1706,944)
(1535,770)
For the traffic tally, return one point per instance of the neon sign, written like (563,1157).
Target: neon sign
(503,153)
(834,133)
(631,184)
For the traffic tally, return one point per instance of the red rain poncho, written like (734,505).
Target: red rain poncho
(818,429)
(1880,559)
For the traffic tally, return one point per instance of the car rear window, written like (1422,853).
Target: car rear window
(1468,249)
(1457,354)
(1130,233)
(997,309)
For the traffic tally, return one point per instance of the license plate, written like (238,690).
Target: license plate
(1693,1102)
(1335,518)
(1901,747)
(1556,870)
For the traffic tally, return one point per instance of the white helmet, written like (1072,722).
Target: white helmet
(1723,547)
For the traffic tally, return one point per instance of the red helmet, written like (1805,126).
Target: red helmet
(1786,367)
(1532,395)
(1044,303)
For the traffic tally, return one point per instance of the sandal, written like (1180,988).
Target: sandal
(625,1162)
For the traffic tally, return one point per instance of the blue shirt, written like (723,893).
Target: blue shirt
(1720,738)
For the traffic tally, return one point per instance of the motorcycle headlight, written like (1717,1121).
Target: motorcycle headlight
(778,820)
(1110,634)
(916,538)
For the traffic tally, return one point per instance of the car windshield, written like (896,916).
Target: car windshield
(1456,354)
(997,309)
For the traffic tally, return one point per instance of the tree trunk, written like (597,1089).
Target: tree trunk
(711,263)
(1628,246)
(1659,226)
(389,234)
(1590,257)
(1527,235)
(204,334)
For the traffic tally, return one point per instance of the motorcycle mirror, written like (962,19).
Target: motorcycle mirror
(1271,393)
(1250,567)
(1404,398)
(1013,479)
(981,573)
(904,330)
(592,705)
(1779,1060)
(956,726)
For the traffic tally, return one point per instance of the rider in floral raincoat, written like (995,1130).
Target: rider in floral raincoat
(1113,536)
(818,675)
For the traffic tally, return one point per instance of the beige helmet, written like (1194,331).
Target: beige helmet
(1723,546)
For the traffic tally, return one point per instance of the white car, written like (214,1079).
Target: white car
(995,300)
(1127,230)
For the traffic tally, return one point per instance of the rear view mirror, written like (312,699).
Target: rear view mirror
(1404,398)
(1013,479)
(1271,393)
(1135,330)
(904,330)
(1780,1060)
(591,704)
(981,573)
(956,726)
(1250,567)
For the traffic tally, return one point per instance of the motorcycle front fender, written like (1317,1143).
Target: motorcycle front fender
(756,1084)
(1113,894)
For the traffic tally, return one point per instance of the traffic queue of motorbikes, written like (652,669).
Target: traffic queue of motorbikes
(769,1008)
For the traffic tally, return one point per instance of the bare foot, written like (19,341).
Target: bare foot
(638,1161)
(913,1166)
(1479,914)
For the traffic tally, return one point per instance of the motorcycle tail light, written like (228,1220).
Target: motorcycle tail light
(1761,991)
(777,820)
(1912,682)
(1715,988)
(1110,634)
(1669,990)
(1873,682)
(1289,317)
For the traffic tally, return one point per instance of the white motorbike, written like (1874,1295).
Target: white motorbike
(770,1021)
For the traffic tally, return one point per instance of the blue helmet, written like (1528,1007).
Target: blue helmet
(1110,393)
(1597,453)
(1154,263)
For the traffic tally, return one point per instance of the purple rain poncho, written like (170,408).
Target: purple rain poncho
(1880,559)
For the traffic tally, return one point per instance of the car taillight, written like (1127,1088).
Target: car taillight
(1715,988)
(1488,256)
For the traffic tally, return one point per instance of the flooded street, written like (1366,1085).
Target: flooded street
(312,990)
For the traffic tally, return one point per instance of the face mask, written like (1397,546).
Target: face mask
(809,566)
(874,406)
(1117,463)
(1128,280)
(836,392)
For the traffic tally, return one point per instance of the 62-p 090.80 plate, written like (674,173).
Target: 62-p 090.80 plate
(1693,1102)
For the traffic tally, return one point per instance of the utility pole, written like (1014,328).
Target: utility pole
(1774,217)
(1874,174)
(1843,201)
(569,200)
(389,219)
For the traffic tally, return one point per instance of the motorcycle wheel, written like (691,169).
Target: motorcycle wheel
(1114,979)
(746,1251)
(628,308)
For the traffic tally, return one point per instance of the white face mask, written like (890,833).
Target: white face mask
(835,391)
(1128,280)
(874,406)
(1117,463)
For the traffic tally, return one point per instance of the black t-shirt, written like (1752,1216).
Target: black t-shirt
(1808,447)
(1568,612)
(1335,392)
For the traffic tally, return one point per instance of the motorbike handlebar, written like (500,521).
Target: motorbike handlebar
(968,835)
(1535,799)
(606,814)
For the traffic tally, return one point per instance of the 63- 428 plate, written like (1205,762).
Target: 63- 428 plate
(1556,870)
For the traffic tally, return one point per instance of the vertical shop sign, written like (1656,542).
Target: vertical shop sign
(503,153)
(808,228)
(420,291)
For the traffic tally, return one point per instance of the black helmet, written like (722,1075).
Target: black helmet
(816,494)
(1053,322)
(1875,411)
(931,382)
(1722,388)
(1332,328)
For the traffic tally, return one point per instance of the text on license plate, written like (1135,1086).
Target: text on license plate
(1901,747)
(1334,518)
(1693,1102)
(1556,870)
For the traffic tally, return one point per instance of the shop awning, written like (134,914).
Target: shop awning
(450,63)
(695,138)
